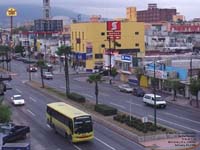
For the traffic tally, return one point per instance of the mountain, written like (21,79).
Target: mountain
(28,12)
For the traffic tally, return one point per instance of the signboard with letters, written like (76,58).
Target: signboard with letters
(89,50)
(126,57)
(158,74)
(113,30)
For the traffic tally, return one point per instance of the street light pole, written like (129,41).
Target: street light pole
(110,65)
(154,91)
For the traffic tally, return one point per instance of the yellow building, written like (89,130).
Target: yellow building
(89,41)
(131,13)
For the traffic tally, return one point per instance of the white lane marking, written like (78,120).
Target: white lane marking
(31,112)
(18,90)
(8,84)
(63,87)
(88,95)
(123,137)
(176,124)
(78,148)
(182,118)
(31,98)
(134,104)
(123,107)
(104,143)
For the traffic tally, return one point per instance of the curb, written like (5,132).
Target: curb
(125,133)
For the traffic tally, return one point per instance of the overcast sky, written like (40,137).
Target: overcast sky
(117,8)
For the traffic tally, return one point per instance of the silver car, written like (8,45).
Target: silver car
(125,88)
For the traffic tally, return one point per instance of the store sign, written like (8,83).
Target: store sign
(158,74)
(113,30)
(89,50)
(11,12)
(126,57)
(113,25)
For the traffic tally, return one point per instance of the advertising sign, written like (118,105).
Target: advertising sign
(113,28)
(126,57)
(113,25)
(11,12)
(89,50)
(158,74)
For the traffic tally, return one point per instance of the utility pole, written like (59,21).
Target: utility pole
(154,92)
(110,59)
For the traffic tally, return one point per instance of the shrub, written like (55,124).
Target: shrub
(106,110)
(76,97)
(5,114)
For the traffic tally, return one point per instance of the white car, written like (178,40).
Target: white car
(125,88)
(149,100)
(47,75)
(17,100)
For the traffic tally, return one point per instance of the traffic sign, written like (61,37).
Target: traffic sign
(11,12)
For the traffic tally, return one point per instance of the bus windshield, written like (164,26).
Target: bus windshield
(82,124)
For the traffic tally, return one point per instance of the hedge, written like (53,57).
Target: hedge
(76,97)
(5,113)
(137,123)
(105,110)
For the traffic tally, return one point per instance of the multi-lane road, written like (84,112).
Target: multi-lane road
(180,118)
(42,137)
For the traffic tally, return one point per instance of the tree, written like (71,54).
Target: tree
(59,53)
(5,52)
(95,78)
(174,84)
(66,51)
(138,73)
(5,114)
(42,65)
(114,72)
(19,49)
(194,89)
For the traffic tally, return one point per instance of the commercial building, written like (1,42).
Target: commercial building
(93,41)
(154,14)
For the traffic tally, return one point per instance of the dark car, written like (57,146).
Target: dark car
(137,91)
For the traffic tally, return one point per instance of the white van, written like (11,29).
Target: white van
(149,100)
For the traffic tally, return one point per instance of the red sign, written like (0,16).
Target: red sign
(114,33)
(113,37)
(113,25)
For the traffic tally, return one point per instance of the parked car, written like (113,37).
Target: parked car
(138,91)
(17,100)
(47,75)
(125,88)
(149,100)
(32,68)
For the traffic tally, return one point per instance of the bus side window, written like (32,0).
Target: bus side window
(70,125)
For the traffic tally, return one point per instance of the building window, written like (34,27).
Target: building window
(98,56)
(102,33)
(102,45)
(82,35)
(136,33)
(136,44)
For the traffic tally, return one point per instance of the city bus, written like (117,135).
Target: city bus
(72,123)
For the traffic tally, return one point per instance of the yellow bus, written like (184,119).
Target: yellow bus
(69,121)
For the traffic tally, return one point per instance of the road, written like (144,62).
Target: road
(180,118)
(42,137)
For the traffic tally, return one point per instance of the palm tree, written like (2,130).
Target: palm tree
(65,50)
(174,85)
(5,52)
(59,53)
(42,65)
(195,88)
(95,78)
